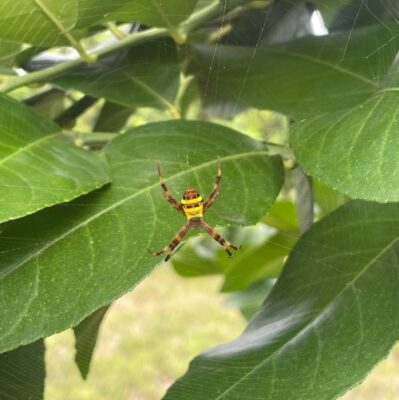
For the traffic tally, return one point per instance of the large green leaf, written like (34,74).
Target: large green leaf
(8,51)
(61,264)
(39,166)
(25,21)
(304,77)
(147,77)
(330,318)
(355,152)
(22,373)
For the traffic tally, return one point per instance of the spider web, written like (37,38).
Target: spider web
(269,27)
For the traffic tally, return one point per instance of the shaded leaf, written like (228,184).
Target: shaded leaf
(112,117)
(360,13)
(283,216)
(307,76)
(204,256)
(355,152)
(48,104)
(24,21)
(147,77)
(22,373)
(304,199)
(329,319)
(276,22)
(8,52)
(258,262)
(65,262)
(39,166)
(251,298)
(153,12)
(86,334)
(326,198)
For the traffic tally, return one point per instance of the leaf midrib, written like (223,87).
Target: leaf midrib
(28,146)
(118,203)
(314,319)
(336,67)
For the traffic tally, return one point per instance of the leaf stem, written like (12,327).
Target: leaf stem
(88,58)
(113,28)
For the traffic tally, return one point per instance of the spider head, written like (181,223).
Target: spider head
(190,193)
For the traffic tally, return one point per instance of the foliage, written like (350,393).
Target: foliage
(82,200)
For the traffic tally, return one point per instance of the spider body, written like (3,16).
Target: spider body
(192,204)
(193,207)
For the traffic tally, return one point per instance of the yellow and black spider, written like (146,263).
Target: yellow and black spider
(193,207)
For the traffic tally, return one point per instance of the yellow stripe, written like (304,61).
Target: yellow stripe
(191,201)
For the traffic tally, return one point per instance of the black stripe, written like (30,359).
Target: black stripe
(219,239)
(193,205)
(173,244)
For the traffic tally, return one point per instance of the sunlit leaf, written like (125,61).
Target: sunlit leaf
(355,152)
(25,21)
(329,319)
(39,166)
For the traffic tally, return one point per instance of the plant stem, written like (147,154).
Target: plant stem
(195,21)
(75,43)
(116,31)
(56,70)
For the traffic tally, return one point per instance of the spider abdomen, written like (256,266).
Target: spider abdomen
(192,204)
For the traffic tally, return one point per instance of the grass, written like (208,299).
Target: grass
(151,334)
(146,342)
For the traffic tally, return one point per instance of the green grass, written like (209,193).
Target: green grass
(151,334)
(146,342)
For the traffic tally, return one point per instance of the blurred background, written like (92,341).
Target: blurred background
(151,334)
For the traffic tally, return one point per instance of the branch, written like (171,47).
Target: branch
(196,20)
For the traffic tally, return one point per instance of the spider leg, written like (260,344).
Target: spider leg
(215,189)
(225,243)
(167,194)
(172,245)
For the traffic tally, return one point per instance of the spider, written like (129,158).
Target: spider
(193,207)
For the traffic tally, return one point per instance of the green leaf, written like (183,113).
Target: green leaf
(261,255)
(326,198)
(251,298)
(283,216)
(112,117)
(39,166)
(153,12)
(148,77)
(8,52)
(65,262)
(199,258)
(330,318)
(355,152)
(24,21)
(304,199)
(258,262)
(22,373)
(86,334)
(304,77)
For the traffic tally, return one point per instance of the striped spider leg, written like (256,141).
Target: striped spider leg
(193,207)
